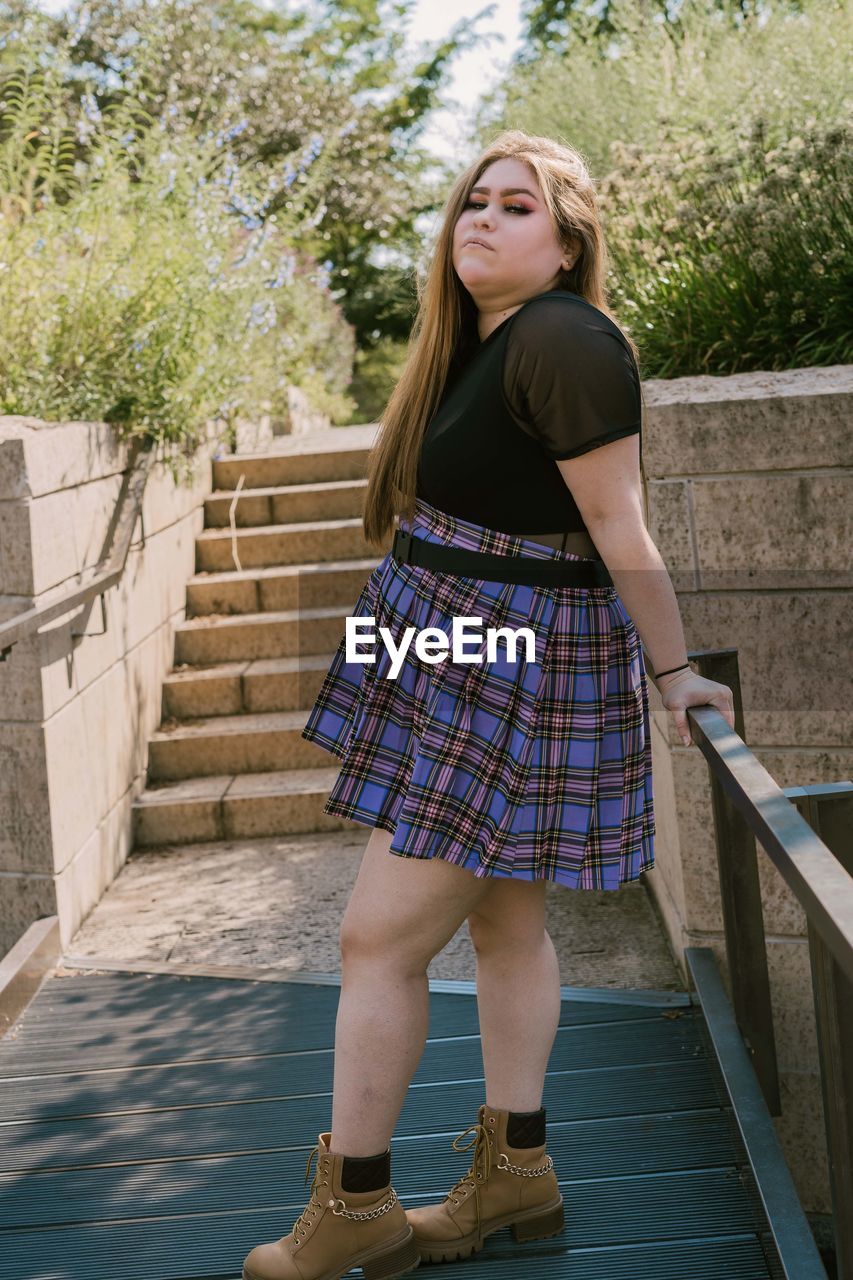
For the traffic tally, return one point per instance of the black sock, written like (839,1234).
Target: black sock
(526,1128)
(366,1173)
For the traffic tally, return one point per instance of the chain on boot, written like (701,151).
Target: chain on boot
(338,1230)
(505,1186)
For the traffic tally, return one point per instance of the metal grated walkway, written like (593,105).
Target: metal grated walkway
(156,1125)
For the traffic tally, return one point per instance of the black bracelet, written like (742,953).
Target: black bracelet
(658,674)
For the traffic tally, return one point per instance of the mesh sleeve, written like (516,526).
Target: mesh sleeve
(570,377)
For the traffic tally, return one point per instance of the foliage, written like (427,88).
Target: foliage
(736,261)
(559,24)
(719,140)
(319,101)
(140,287)
(377,370)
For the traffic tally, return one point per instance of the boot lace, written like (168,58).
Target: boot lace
(337,1207)
(306,1217)
(481,1165)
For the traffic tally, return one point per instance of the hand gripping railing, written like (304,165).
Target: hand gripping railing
(807,832)
(100,577)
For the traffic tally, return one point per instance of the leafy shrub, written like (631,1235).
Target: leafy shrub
(737,260)
(720,144)
(141,287)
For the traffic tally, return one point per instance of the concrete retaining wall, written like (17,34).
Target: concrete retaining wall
(75,719)
(751,507)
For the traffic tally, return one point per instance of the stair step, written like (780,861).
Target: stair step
(289,586)
(249,743)
(343,457)
(228,806)
(277,544)
(280,504)
(239,637)
(232,688)
(230,762)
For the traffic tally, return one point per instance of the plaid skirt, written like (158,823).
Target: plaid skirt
(537,769)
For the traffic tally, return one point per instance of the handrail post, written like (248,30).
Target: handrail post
(740,897)
(828,809)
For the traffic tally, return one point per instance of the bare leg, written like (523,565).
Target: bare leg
(518,992)
(401,913)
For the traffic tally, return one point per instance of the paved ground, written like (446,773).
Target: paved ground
(278,903)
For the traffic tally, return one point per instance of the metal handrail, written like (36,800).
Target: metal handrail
(811,870)
(748,803)
(103,575)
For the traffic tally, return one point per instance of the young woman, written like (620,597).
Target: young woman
(510,450)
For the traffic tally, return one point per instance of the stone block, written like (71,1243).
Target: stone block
(793,657)
(801,1133)
(71,741)
(20,672)
(38,457)
(25,897)
(150,594)
(16,551)
(13,471)
(758,421)
(772,532)
(168,499)
(68,533)
(25,802)
(83,880)
(671,530)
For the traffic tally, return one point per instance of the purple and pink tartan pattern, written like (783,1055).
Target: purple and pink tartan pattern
(534,770)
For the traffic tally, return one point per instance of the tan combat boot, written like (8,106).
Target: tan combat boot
(338,1230)
(505,1186)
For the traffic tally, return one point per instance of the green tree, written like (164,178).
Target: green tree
(557,24)
(718,138)
(319,102)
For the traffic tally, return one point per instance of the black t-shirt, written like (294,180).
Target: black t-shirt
(553,380)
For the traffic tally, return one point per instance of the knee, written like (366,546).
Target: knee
(362,943)
(489,935)
(357,941)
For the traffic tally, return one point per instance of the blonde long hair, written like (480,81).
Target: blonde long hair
(447,315)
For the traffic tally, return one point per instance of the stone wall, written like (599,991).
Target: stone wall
(751,507)
(75,719)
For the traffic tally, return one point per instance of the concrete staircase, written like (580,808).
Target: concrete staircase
(228,760)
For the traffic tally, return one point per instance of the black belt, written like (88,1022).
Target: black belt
(491,568)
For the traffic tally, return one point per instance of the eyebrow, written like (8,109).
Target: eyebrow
(507,191)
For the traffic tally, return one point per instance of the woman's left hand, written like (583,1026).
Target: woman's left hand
(686,689)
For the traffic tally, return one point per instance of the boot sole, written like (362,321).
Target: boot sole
(382,1262)
(536,1224)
